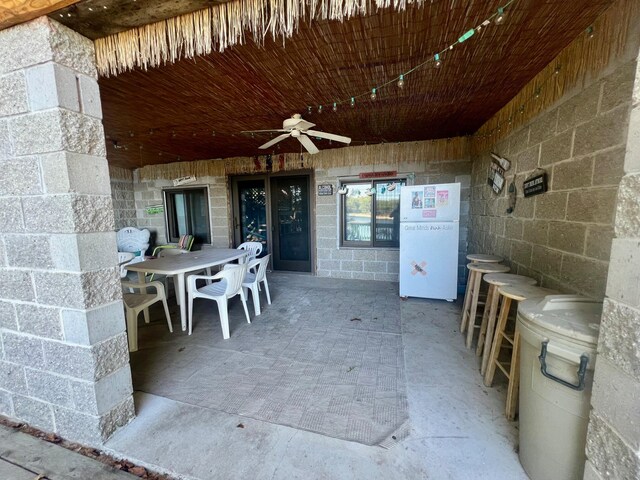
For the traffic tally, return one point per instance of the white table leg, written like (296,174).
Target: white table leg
(142,279)
(180,294)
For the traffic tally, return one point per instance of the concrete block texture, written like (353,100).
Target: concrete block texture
(20,176)
(615,398)
(49,387)
(8,318)
(606,130)
(609,454)
(11,216)
(55,130)
(51,85)
(43,322)
(83,290)
(88,327)
(68,172)
(100,397)
(43,40)
(13,94)
(35,412)
(12,377)
(627,222)
(68,214)
(623,284)
(23,350)
(92,429)
(16,285)
(620,337)
(86,363)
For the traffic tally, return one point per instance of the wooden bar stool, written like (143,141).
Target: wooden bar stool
(476,258)
(511,369)
(494,280)
(469,312)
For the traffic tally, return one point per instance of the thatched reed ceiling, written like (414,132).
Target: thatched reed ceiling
(196,109)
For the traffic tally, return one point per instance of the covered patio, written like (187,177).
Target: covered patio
(161,119)
(328,374)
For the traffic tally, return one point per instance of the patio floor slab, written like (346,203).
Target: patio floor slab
(457,426)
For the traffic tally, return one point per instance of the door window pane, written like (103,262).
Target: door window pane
(253,213)
(387,218)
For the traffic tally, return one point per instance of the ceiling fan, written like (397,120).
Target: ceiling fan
(297,127)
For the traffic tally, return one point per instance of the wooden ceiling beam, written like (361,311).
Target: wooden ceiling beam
(13,12)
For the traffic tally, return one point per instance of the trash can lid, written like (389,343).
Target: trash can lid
(571,316)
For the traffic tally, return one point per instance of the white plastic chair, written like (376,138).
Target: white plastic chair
(253,250)
(229,286)
(130,239)
(134,303)
(124,258)
(257,273)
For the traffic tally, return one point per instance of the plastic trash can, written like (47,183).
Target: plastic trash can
(557,355)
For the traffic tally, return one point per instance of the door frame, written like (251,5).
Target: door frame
(266,177)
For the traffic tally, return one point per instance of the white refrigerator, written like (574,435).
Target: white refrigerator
(429,231)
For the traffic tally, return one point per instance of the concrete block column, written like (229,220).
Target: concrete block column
(64,364)
(613,440)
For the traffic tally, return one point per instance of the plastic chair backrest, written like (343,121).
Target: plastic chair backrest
(234,275)
(130,239)
(262,264)
(167,252)
(186,242)
(253,248)
(123,259)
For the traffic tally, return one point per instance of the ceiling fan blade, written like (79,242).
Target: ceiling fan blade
(308,144)
(275,140)
(328,136)
(263,131)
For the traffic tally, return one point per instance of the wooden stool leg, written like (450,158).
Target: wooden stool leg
(471,321)
(497,341)
(514,377)
(491,325)
(467,300)
(485,319)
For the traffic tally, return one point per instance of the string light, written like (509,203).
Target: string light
(497,18)
(319,108)
(335,107)
(590,32)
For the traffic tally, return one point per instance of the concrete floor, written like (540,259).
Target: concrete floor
(458,428)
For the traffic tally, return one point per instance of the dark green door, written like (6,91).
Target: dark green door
(291,226)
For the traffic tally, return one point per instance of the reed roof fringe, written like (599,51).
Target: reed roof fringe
(431,151)
(221,26)
(579,63)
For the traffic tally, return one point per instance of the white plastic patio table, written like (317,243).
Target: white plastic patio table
(179,265)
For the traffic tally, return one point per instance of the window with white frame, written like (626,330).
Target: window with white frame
(370,213)
(187,213)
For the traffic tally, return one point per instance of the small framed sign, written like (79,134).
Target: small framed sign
(535,185)
(325,189)
(495,177)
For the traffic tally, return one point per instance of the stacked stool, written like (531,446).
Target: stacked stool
(470,308)
(476,258)
(507,294)
(494,280)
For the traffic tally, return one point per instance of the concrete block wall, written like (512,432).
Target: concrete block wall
(336,261)
(64,362)
(562,237)
(613,439)
(122,195)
